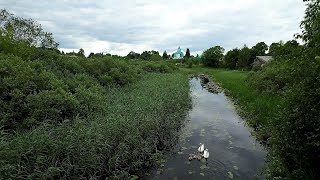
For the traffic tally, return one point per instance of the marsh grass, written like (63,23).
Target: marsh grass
(137,124)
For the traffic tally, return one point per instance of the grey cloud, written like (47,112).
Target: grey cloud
(163,24)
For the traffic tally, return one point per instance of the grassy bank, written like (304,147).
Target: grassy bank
(77,118)
(257,108)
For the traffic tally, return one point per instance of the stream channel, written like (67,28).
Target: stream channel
(213,121)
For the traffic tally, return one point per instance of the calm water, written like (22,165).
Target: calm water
(234,153)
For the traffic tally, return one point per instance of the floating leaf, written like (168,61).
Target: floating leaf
(183,148)
(134,177)
(203,167)
(230,175)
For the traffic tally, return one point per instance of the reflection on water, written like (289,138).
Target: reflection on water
(234,153)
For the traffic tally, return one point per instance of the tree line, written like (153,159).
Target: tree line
(242,58)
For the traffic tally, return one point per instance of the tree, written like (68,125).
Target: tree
(81,53)
(311,26)
(231,58)
(274,49)
(25,30)
(165,55)
(260,49)
(146,55)
(187,53)
(91,55)
(213,55)
(244,58)
(133,55)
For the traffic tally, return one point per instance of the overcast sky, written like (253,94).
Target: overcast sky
(119,27)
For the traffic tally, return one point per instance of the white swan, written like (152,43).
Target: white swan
(201,148)
(206,154)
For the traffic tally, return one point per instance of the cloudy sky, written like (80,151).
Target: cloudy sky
(119,27)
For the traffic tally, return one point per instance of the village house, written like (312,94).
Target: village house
(261,60)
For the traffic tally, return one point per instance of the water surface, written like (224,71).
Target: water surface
(213,120)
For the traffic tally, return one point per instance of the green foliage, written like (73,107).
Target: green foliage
(295,139)
(294,76)
(187,53)
(150,55)
(298,147)
(310,26)
(159,67)
(213,56)
(165,55)
(244,58)
(260,49)
(231,59)
(137,123)
(289,49)
(81,53)
(23,30)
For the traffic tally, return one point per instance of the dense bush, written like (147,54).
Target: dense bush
(136,123)
(294,76)
(47,87)
(71,117)
(159,67)
(294,144)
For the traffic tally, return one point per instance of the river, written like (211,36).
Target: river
(213,120)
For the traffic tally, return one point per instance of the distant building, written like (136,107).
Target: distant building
(178,55)
(261,60)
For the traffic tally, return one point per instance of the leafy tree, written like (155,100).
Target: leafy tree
(187,53)
(260,49)
(311,25)
(290,48)
(81,53)
(25,30)
(231,58)
(244,58)
(133,55)
(146,55)
(274,49)
(165,55)
(213,55)
(91,55)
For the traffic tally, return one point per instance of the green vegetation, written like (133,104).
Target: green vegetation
(105,116)
(281,100)
(213,56)
(64,116)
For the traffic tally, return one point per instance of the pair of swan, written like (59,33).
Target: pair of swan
(204,151)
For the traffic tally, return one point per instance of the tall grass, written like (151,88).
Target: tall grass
(138,122)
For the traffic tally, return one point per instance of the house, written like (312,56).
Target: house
(178,54)
(261,60)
